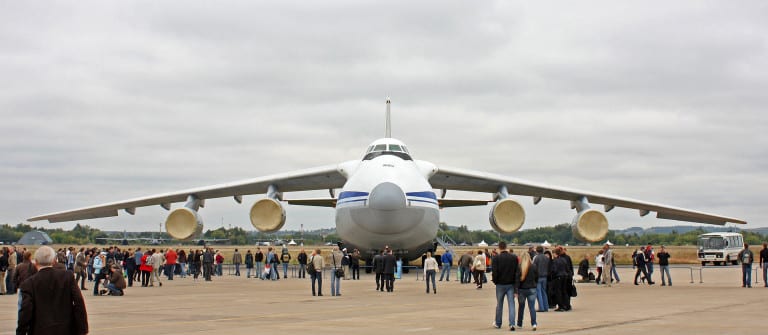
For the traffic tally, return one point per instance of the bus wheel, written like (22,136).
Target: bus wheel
(703,263)
(727,260)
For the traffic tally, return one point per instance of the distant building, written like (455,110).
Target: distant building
(35,237)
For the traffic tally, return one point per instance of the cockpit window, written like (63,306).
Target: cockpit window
(377,150)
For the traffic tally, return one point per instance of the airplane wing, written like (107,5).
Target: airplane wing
(325,177)
(447,178)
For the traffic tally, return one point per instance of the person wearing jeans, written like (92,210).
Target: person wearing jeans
(447,260)
(317,275)
(746,258)
(504,268)
(526,290)
(529,295)
(258,257)
(336,257)
(542,261)
(664,266)
(430,271)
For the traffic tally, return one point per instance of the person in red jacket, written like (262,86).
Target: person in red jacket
(219,262)
(170,263)
(145,268)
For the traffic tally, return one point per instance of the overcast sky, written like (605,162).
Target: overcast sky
(657,101)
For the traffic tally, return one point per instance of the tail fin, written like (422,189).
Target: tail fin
(388,130)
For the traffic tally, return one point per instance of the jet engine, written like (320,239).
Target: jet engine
(183,223)
(267,215)
(507,216)
(590,226)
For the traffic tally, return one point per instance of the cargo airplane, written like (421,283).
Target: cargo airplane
(387,198)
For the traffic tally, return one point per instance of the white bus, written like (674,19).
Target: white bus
(720,248)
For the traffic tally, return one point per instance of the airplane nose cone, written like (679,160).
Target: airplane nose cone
(387,196)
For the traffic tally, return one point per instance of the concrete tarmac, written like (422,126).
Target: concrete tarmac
(236,305)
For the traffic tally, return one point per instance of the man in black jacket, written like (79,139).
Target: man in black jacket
(208,264)
(640,261)
(378,268)
(506,276)
(388,272)
(51,302)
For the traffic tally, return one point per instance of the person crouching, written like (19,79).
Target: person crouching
(116,282)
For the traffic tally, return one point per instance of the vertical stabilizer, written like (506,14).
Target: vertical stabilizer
(388,130)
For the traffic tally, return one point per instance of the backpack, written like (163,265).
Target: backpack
(746,257)
(311,266)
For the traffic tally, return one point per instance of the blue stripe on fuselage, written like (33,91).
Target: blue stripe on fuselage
(427,194)
(347,197)
(351,194)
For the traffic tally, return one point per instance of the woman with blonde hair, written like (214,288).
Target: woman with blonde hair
(526,290)
(478,268)
(430,270)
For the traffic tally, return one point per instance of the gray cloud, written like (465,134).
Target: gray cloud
(102,102)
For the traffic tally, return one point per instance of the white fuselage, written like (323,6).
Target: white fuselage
(387,201)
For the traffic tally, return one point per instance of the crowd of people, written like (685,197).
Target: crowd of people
(540,278)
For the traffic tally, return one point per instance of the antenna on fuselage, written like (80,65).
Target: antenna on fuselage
(388,130)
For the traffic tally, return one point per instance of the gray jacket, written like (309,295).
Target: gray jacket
(608,257)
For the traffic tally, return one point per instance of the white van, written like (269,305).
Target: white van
(720,248)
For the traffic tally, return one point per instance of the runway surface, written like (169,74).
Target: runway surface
(236,305)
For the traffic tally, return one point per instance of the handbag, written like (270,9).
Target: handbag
(339,272)
(311,266)
(573,292)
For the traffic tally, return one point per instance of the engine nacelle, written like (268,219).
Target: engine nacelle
(507,216)
(590,226)
(183,223)
(267,215)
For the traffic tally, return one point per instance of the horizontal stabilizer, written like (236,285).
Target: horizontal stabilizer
(461,203)
(313,202)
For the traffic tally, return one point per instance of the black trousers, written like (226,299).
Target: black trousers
(131,272)
(389,278)
(379,281)
(97,279)
(563,292)
(145,278)
(207,270)
(645,274)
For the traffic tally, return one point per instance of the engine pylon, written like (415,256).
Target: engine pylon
(589,225)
